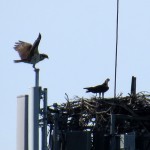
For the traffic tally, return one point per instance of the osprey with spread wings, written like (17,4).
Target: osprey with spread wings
(29,53)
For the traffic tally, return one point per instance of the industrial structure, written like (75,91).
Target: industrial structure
(83,124)
(32,116)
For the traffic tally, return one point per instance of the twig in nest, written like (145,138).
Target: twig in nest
(67,97)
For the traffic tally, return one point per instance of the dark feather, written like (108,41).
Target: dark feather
(34,49)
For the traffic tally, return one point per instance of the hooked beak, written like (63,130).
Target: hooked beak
(47,57)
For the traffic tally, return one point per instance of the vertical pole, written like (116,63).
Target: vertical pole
(33,114)
(112,125)
(112,132)
(133,86)
(36,77)
(44,127)
(33,125)
(55,131)
(116,48)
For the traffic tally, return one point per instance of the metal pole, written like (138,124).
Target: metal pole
(133,86)
(44,128)
(112,126)
(33,122)
(116,48)
(55,131)
(36,77)
(112,132)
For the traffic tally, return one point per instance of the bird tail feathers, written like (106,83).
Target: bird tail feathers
(17,61)
(87,90)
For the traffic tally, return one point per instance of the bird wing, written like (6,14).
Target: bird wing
(23,48)
(97,88)
(94,89)
(34,49)
(102,88)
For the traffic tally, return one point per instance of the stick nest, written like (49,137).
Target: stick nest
(132,113)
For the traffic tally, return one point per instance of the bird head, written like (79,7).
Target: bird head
(43,56)
(107,80)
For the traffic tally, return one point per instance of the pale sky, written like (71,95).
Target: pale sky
(79,37)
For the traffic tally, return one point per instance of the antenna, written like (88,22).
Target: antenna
(116,48)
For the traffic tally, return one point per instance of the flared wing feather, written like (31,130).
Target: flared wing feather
(23,49)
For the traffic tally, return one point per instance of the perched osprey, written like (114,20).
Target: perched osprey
(101,89)
(29,53)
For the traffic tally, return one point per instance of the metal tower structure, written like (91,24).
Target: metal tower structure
(31,116)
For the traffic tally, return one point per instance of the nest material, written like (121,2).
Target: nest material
(132,113)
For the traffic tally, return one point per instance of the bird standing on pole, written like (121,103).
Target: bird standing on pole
(29,53)
(101,89)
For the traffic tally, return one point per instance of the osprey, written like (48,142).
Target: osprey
(101,89)
(29,53)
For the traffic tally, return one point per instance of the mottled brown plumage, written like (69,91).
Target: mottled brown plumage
(29,53)
(101,89)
